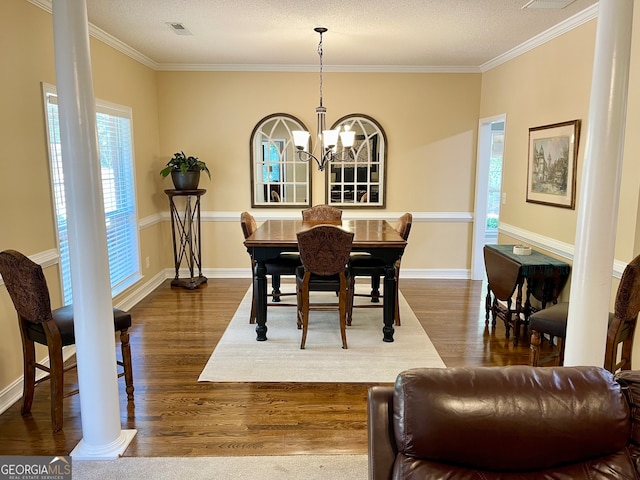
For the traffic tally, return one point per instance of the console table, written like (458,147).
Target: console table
(506,274)
(185,231)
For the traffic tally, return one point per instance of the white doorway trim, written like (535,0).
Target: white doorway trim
(482,186)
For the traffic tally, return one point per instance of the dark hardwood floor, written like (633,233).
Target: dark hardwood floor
(174,333)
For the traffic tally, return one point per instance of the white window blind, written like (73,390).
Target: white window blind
(116,160)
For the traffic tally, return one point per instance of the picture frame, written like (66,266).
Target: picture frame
(553,158)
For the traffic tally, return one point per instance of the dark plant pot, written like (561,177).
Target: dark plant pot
(185,181)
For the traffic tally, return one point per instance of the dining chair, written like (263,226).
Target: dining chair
(322,212)
(285,264)
(366,265)
(552,321)
(324,252)
(28,290)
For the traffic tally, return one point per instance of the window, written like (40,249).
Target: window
(116,160)
(495,177)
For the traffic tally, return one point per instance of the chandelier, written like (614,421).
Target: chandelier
(326,139)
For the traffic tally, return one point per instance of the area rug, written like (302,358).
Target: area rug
(238,357)
(294,467)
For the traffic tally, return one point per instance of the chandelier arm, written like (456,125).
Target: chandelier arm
(342,155)
(305,156)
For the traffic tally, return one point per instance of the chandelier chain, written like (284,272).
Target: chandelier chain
(320,55)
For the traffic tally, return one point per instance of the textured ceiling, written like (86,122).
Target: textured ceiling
(279,34)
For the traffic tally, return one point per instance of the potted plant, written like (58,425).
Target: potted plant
(185,171)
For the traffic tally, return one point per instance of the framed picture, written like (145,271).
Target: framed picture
(553,155)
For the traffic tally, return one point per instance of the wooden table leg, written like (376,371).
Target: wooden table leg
(516,321)
(507,319)
(260,296)
(389,303)
(487,306)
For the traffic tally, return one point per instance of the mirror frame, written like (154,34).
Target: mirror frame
(379,144)
(291,123)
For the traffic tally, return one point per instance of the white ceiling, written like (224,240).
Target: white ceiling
(400,35)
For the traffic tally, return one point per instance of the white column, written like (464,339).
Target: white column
(93,317)
(600,187)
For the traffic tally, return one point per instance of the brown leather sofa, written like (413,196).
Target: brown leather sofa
(507,423)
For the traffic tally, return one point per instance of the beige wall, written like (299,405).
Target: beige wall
(429,119)
(550,84)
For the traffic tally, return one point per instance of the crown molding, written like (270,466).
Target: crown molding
(578,19)
(178,67)
(563,27)
(104,37)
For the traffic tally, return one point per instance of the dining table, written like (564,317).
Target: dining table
(376,237)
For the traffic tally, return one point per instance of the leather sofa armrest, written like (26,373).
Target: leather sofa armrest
(382,445)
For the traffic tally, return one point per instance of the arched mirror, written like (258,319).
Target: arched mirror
(359,178)
(278,179)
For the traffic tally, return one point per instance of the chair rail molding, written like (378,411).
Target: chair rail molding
(562,249)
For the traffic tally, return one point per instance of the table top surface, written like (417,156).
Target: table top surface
(536,258)
(367,233)
(182,193)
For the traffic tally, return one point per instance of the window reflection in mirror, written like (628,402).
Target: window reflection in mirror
(359,180)
(278,179)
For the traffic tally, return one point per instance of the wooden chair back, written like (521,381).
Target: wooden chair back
(623,323)
(324,249)
(248,224)
(403,225)
(322,212)
(26,285)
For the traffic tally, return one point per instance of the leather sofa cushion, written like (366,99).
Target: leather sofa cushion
(508,419)
(616,466)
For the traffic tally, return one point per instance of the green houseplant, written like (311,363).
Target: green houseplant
(185,171)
